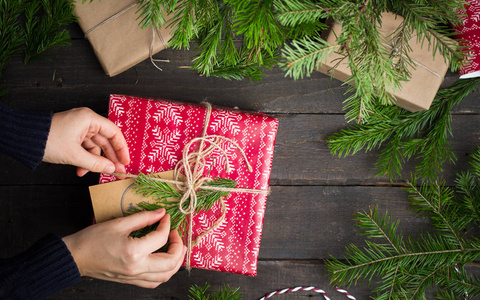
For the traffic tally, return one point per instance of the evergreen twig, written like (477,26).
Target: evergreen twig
(223,293)
(11,30)
(44,22)
(165,196)
(404,267)
(287,33)
(422,135)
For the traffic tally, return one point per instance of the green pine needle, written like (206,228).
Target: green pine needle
(403,135)
(11,31)
(223,293)
(402,267)
(44,22)
(165,196)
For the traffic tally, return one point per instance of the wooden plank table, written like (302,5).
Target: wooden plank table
(314,194)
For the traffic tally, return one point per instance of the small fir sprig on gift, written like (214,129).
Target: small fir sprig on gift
(403,267)
(165,196)
(404,136)
(223,293)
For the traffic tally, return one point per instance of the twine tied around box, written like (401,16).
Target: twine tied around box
(395,53)
(192,165)
(154,30)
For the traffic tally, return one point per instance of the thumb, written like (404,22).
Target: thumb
(141,220)
(94,163)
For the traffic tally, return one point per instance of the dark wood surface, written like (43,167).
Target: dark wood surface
(309,213)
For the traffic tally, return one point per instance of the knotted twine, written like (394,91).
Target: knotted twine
(188,178)
(154,30)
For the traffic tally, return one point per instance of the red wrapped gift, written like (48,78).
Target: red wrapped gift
(157,131)
(469,33)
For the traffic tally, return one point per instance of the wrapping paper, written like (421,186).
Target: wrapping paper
(416,94)
(157,131)
(469,32)
(120,43)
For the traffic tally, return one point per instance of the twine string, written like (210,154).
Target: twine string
(191,168)
(154,30)
(396,52)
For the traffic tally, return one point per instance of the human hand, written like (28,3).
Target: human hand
(106,251)
(78,136)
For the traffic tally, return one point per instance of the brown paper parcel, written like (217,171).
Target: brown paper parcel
(113,199)
(120,43)
(427,75)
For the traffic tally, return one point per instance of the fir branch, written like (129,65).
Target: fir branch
(211,43)
(425,19)
(153,12)
(301,57)
(375,227)
(295,12)
(224,293)
(165,196)
(422,135)
(183,25)
(427,261)
(10,29)
(254,19)
(44,32)
(435,200)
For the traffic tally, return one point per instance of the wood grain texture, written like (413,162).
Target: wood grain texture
(301,157)
(301,222)
(272,275)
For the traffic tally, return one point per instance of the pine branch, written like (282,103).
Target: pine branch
(422,135)
(44,32)
(11,32)
(224,293)
(184,27)
(301,57)
(165,196)
(405,267)
(152,12)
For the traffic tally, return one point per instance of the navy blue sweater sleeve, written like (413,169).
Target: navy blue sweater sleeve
(48,266)
(44,269)
(23,134)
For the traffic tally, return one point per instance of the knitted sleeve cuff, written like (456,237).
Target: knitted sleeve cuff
(23,134)
(44,269)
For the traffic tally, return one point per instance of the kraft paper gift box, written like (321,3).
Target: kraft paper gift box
(113,29)
(427,75)
(156,132)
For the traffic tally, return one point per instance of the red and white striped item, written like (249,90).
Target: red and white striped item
(307,288)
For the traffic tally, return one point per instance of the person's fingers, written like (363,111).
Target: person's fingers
(109,152)
(172,259)
(93,148)
(158,238)
(140,220)
(92,162)
(107,148)
(111,131)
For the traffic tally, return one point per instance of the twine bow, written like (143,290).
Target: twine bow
(154,30)
(188,178)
